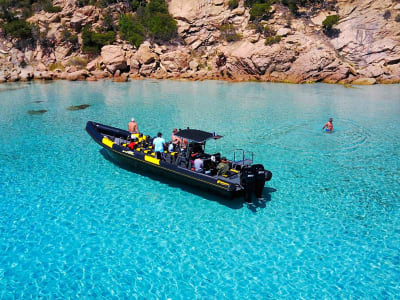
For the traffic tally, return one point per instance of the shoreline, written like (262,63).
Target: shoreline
(84,75)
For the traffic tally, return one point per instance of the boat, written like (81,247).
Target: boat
(136,152)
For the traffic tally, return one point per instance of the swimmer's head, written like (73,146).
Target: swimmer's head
(330,119)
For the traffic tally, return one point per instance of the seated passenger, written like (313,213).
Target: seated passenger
(223,167)
(198,164)
(158,144)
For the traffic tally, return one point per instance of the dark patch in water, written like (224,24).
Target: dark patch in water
(78,107)
(37,101)
(37,112)
(12,88)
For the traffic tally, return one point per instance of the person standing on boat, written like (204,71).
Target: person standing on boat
(132,126)
(328,126)
(158,144)
(176,140)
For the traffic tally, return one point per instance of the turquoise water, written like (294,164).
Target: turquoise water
(73,224)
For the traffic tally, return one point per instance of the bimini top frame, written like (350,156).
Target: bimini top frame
(197,136)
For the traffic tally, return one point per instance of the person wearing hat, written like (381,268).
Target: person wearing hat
(223,167)
(328,126)
(132,126)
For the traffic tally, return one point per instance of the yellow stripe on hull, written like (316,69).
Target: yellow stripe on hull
(222,182)
(107,142)
(152,160)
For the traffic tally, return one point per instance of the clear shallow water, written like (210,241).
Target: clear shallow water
(73,224)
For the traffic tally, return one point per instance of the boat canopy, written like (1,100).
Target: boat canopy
(195,135)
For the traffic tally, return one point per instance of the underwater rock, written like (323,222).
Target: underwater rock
(78,107)
(37,112)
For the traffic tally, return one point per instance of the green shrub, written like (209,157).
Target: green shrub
(55,66)
(92,42)
(78,62)
(159,23)
(52,9)
(69,37)
(229,33)
(108,21)
(151,20)
(260,11)
(397,18)
(232,4)
(292,5)
(250,3)
(328,23)
(18,29)
(162,26)
(156,6)
(45,5)
(132,30)
(268,31)
(272,40)
(387,14)
(135,4)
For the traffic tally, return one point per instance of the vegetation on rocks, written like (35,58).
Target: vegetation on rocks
(387,14)
(328,24)
(228,33)
(272,40)
(132,29)
(69,37)
(260,11)
(232,4)
(153,21)
(92,41)
(77,62)
(36,44)
(18,28)
(56,66)
(268,31)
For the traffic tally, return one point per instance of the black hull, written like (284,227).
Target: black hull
(166,175)
(142,159)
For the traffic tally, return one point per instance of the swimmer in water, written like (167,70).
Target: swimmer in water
(328,126)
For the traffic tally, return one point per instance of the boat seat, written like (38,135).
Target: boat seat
(216,157)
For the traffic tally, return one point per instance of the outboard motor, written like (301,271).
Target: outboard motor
(268,175)
(247,180)
(259,174)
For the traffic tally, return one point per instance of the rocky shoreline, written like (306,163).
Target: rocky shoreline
(366,51)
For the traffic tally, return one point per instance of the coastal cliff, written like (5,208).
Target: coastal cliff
(214,40)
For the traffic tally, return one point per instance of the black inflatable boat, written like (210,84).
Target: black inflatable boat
(242,178)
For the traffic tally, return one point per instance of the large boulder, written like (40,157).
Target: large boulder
(78,75)
(62,51)
(364,81)
(175,61)
(78,21)
(94,64)
(113,58)
(26,73)
(146,70)
(145,55)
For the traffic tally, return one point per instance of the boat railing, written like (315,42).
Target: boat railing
(239,157)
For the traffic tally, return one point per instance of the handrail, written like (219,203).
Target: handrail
(243,155)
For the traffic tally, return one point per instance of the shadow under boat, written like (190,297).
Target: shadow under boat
(233,203)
